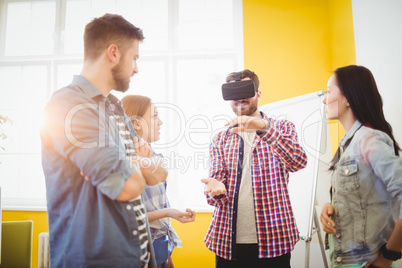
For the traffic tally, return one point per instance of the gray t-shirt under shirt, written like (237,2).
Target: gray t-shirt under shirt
(246,228)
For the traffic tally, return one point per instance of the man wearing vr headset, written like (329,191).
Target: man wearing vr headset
(253,224)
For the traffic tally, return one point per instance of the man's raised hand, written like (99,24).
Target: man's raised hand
(247,124)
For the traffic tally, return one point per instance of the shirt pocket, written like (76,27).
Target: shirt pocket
(348,179)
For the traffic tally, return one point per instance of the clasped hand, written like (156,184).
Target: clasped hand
(142,148)
(183,217)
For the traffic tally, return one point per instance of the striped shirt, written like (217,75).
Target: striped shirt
(139,209)
(275,153)
(155,198)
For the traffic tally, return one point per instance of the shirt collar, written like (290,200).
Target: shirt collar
(351,132)
(86,86)
(93,92)
(263,115)
(113,99)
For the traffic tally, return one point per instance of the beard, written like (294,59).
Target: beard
(121,83)
(244,107)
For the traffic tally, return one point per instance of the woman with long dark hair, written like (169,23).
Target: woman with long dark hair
(364,219)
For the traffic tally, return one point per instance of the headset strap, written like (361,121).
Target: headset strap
(238,76)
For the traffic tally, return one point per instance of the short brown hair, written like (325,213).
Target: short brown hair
(135,105)
(245,73)
(106,30)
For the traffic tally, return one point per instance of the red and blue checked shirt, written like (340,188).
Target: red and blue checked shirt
(276,152)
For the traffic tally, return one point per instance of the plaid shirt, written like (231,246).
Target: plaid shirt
(276,152)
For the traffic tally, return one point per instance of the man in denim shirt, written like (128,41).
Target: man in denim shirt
(99,221)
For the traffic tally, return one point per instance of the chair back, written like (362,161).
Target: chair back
(16,244)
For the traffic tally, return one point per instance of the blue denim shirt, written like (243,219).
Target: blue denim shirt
(87,226)
(367,195)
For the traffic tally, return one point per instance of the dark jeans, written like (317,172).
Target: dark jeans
(247,256)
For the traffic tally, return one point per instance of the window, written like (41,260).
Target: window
(189,48)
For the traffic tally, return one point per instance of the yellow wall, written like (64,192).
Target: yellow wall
(293,46)
(194,253)
(342,49)
(286,44)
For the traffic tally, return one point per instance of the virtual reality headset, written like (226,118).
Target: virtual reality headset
(238,90)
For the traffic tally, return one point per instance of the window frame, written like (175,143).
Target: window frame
(171,56)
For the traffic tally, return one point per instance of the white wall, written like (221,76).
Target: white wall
(378,39)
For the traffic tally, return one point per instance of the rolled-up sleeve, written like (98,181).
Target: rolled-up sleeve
(217,170)
(282,136)
(87,136)
(113,184)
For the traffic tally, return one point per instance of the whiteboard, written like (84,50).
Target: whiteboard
(306,112)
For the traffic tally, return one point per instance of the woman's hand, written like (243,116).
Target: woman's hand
(170,262)
(327,223)
(182,217)
(380,262)
(142,147)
